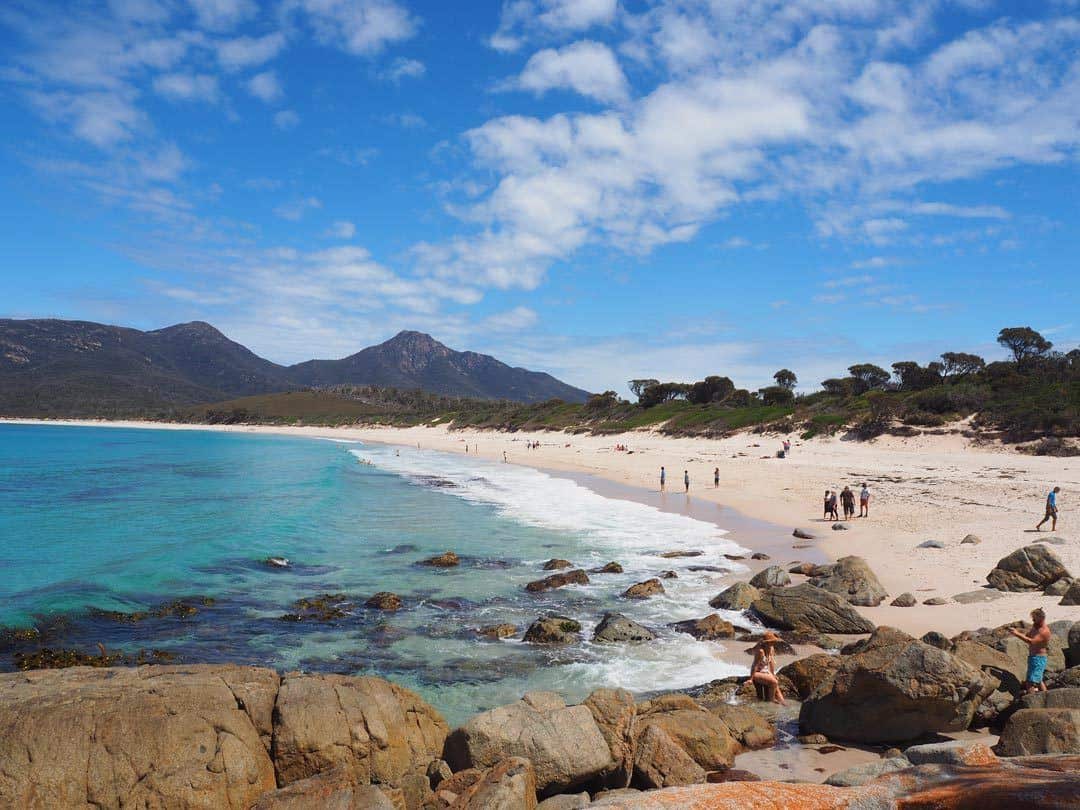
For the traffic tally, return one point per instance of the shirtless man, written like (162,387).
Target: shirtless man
(1037,642)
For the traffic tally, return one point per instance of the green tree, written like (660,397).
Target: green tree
(913,377)
(602,402)
(637,387)
(1024,343)
(662,392)
(836,386)
(868,377)
(956,365)
(711,389)
(776,395)
(786,378)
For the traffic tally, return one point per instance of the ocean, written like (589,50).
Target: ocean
(100,519)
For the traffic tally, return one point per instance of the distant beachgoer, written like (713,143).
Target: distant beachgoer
(847,498)
(1038,643)
(828,511)
(663,478)
(716,478)
(787,447)
(686,480)
(1051,511)
(834,513)
(763,670)
(504,456)
(864,502)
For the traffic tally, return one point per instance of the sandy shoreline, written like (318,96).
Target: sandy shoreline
(930,487)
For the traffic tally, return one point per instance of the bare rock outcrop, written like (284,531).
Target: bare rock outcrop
(851,579)
(893,688)
(1031,568)
(806,607)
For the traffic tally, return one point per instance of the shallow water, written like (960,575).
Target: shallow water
(127,519)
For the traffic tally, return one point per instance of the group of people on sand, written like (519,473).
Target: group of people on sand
(621,448)
(532,445)
(846,499)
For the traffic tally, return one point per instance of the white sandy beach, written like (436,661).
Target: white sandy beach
(938,487)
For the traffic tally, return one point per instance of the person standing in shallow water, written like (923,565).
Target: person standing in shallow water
(1051,511)
(1038,644)
(686,480)
(663,478)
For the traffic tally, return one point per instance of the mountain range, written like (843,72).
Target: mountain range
(77,368)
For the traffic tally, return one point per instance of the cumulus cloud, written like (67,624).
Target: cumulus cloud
(102,118)
(265,87)
(249,52)
(361,27)
(221,15)
(522,18)
(588,68)
(342,229)
(188,87)
(286,119)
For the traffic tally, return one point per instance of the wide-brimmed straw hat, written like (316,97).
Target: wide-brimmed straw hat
(770,638)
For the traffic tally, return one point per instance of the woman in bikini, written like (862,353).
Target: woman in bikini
(763,670)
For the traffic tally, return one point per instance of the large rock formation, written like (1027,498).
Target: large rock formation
(615,714)
(772,577)
(508,785)
(708,628)
(700,733)
(807,674)
(207,736)
(806,607)
(737,597)
(1046,723)
(851,579)
(563,742)
(1031,568)
(615,627)
(375,730)
(661,762)
(553,630)
(575,577)
(892,688)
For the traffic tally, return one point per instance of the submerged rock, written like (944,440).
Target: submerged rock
(327,607)
(610,568)
(447,559)
(498,631)
(556,564)
(671,555)
(385,600)
(575,577)
(643,590)
(616,627)
(553,630)
(706,629)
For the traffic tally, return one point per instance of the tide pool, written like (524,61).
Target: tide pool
(114,519)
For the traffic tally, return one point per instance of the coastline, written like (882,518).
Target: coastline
(940,487)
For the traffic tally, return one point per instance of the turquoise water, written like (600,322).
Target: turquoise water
(126,519)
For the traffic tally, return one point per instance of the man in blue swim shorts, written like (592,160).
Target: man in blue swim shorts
(1038,642)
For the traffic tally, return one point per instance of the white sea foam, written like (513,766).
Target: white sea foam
(535,498)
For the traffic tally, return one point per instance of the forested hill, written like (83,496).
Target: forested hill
(78,368)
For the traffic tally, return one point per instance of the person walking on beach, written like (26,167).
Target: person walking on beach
(663,478)
(763,670)
(1051,511)
(864,502)
(828,511)
(834,513)
(1038,643)
(787,448)
(686,480)
(716,478)
(847,498)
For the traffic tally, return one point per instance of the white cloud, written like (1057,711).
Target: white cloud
(405,69)
(188,87)
(361,27)
(512,320)
(249,52)
(295,210)
(521,19)
(585,67)
(265,86)
(286,119)
(940,209)
(736,242)
(221,15)
(101,118)
(342,229)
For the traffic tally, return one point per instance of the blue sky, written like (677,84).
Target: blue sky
(597,188)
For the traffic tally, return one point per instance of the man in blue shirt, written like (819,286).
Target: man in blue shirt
(1051,511)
